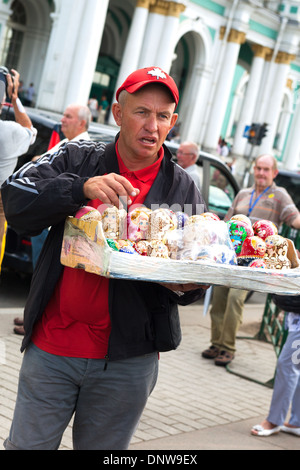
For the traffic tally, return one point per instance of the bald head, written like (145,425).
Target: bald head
(76,120)
(187,154)
(265,171)
(267,158)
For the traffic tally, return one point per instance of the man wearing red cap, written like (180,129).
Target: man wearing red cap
(91,342)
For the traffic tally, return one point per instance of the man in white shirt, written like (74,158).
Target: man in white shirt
(15,137)
(187,155)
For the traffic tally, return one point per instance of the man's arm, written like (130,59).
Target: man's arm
(296,222)
(20,114)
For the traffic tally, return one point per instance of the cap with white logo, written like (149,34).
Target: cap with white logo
(141,77)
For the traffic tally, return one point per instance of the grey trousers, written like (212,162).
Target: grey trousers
(286,390)
(106,401)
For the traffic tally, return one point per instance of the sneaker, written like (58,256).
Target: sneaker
(211,353)
(224,358)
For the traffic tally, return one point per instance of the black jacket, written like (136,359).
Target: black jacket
(144,315)
(290,303)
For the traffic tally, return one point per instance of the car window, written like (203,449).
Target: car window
(221,192)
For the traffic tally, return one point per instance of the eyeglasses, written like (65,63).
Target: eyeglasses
(179,152)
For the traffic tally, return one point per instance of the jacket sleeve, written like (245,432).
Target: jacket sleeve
(43,193)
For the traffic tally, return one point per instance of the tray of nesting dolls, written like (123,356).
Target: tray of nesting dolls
(161,245)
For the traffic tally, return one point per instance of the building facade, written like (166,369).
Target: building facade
(235,61)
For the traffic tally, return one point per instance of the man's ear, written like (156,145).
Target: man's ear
(173,120)
(117,113)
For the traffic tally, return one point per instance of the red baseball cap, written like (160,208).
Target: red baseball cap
(145,76)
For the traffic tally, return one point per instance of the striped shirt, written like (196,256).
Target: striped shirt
(275,205)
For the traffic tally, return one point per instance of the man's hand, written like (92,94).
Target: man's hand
(184,287)
(21,116)
(13,85)
(109,189)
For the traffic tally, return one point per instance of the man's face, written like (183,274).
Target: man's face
(71,125)
(185,156)
(264,172)
(145,118)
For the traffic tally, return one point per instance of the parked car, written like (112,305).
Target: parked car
(290,180)
(218,184)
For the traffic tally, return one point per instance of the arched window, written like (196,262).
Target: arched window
(13,36)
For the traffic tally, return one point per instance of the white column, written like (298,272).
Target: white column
(87,50)
(273,108)
(153,33)
(168,38)
(72,53)
(191,126)
(235,39)
(4,15)
(285,119)
(248,107)
(134,43)
(292,152)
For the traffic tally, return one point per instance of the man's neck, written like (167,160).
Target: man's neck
(260,189)
(134,163)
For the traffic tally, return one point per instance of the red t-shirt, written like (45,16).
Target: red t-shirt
(76,321)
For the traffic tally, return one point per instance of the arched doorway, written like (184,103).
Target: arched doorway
(117,25)
(13,36)
(25,39)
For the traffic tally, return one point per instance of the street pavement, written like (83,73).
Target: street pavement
(195,405)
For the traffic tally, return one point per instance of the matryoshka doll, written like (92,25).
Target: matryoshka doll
(161,221)
(238,232)
(157,249)
(114,222)
(138,223)
(252,248)
(242,218)
(276,252)
(264,228)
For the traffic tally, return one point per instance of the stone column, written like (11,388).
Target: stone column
(291,156)
(273,108)
(134,43)
(165,53)
(235,39)
(72,54)
(4,15)
(153,33)
(248,107)
(284,120)
(198,90)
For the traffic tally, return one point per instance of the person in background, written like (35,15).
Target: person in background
(15,137)
(187,156)
(264,200)
(93,106)
(286,391)
(29,95)
(92,342)
(75,122)
(74,125)
(103,108)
